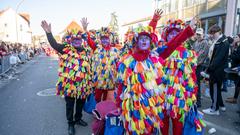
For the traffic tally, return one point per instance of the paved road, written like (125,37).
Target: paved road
(23,112)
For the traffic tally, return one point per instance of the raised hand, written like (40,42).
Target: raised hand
(84,23)
(194,22)
(158,13)
(46,27)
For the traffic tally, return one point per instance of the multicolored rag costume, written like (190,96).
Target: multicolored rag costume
(134,94)
(180,82)
(104,67)
(74,72)
(140,92)
(104,64)
(142,95)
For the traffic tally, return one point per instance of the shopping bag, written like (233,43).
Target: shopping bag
(193,124)
(90,104)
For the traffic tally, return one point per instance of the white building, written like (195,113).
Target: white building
(15,27)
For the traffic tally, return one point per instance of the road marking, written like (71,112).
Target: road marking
(47,92)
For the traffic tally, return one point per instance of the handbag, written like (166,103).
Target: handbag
(193,124)
(90,104)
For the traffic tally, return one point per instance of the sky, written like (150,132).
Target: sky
(61,12)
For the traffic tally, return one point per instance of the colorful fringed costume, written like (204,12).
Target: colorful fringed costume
(180,82)
(74,73)
(142,95)
(74,82)
(104,67)
(104,64)
(128,91)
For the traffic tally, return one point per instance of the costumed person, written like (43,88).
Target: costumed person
(129,35)
(180,81)
(104,63)
(128,38)
(140,94)
(74,82)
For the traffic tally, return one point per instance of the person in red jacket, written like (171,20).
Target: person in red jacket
(140,94)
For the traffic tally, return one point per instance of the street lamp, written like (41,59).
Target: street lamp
(18,5)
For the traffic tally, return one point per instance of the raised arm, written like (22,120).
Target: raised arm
(90,42)
(179,39)
(47,28)
(156,17)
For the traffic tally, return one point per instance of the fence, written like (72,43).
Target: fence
(5,64)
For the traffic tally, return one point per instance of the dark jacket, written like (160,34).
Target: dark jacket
(56,46)
(219,60)
(235,57)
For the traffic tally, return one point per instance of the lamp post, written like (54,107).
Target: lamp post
(18,5)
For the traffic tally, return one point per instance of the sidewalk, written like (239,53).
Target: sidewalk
(228,122)
(14,72)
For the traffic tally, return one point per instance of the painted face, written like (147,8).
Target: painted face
(105,41)
(144,42)
(77,42)
(171,35)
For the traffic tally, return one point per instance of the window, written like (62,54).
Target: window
(187,3)
(21,27)
(174,5)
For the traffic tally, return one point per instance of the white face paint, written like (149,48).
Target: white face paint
(144,42)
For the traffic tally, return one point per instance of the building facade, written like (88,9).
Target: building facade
(14,27)
(221,12)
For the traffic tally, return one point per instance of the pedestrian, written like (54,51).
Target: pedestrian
(235,57)
(218,62)
(74,74)
(201,47)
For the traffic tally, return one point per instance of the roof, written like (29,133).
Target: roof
(72,26)
(2,11)
(25,16)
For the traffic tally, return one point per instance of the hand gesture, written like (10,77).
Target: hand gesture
(46,27)
(84,23)
(158,13)
(194,22)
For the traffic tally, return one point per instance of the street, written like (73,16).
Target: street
(26,109)
(23,112)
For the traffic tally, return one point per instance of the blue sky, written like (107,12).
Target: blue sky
(61,12)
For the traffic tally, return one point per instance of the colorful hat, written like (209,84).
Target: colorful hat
(176,25)
(134,34)
(104,32)
(72,35)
